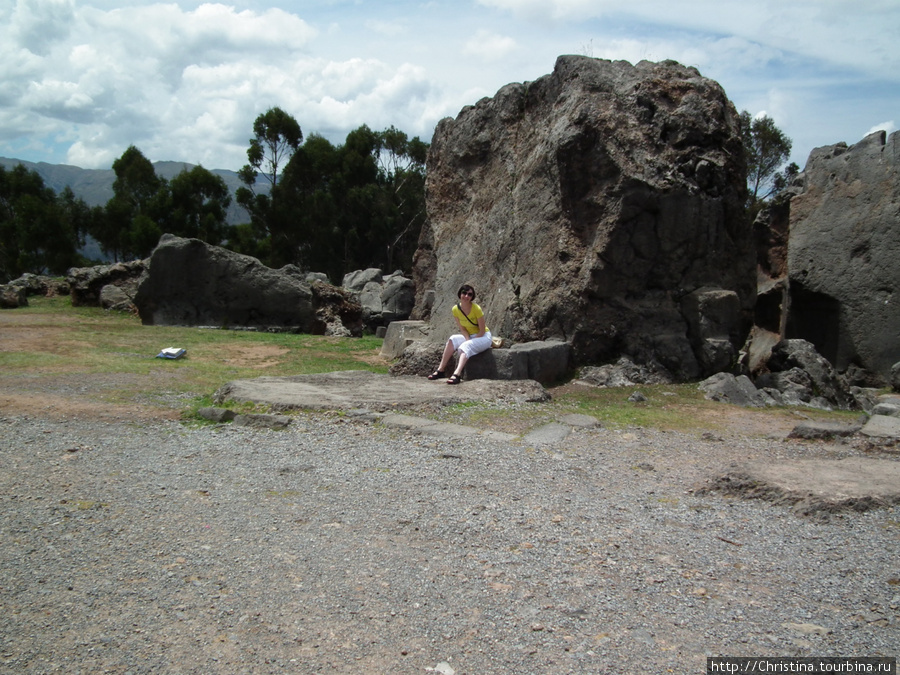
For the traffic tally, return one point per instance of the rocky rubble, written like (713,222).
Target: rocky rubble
(383,298)
(109,286)
(797,375)
(15,293)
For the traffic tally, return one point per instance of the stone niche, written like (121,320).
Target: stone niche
(592,206)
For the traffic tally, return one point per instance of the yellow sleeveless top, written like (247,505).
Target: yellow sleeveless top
(470,323)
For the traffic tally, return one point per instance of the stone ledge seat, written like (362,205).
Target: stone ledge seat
(400,334)
(543,361)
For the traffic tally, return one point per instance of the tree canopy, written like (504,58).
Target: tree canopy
(766,148)
(40,231)
(144,206)
(325,207)
(335,208)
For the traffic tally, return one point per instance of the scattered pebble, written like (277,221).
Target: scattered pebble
(342,545)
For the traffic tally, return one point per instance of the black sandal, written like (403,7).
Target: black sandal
(454,379)
(436,375)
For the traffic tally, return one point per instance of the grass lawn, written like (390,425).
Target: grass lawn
(111,357)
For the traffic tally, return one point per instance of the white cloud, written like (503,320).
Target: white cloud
(184,80)
(830,30)
(888,127)
(489,46)
(386,28)
(91,155)
(553,9)
(37,24)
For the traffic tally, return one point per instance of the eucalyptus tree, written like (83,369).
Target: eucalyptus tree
(198,205)
(276,137)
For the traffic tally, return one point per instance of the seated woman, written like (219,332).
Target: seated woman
(473,337)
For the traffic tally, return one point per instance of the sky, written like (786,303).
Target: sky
(184,80)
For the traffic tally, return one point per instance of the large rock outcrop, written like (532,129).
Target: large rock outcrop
(193,283)
(588,206)
(843,249)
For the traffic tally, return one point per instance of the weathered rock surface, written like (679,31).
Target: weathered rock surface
(400,335)
(12,297)
(384,298)
(419,357)
(817,487)
(192,283)
(408,342)
(216,414)
(262,421)
(118,298)
(39,284)
(882,426)
(797,375)
(624,373)
(798,370)
(843,251)
(87,284)
(737,390)
(586,206)
(354,389)
(546,362)
(824,430)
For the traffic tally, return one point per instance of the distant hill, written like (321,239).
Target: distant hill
(94,186)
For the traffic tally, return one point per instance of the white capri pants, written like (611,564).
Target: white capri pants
(471,347)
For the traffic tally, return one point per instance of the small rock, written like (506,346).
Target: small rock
(807,628)
(258,421)
(816,430)
(216,414)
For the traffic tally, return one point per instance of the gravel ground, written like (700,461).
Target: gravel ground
(340,546)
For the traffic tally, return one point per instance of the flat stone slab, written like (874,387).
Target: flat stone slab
(549,434)
(889,409)
(443,429)
(882,426)
(816,485)
(817,430)
(580,421)
(353,389)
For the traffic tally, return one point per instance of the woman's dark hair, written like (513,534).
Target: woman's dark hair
(464,289)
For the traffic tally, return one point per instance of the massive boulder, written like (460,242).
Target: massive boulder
(192,283)
(843,251)
(588,206)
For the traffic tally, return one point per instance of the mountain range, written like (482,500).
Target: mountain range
(94,186)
